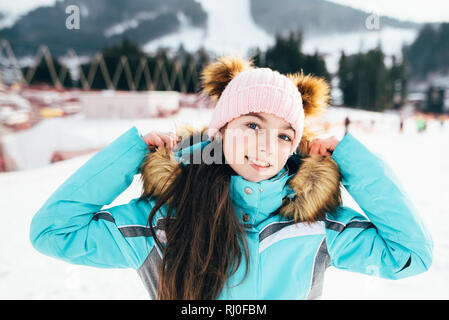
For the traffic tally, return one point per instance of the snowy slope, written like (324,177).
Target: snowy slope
(420,161)
(390,39)
(13,11)
(231,29)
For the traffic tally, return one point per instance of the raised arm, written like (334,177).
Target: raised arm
(393,242)
(71,224)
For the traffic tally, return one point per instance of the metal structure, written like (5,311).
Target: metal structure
(152,78)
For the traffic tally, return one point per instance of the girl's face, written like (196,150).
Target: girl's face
(257,145)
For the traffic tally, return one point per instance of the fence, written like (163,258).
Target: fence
(159,77)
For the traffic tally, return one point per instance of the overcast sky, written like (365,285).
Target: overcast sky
(414,10)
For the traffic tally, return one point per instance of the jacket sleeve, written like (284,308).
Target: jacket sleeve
(390,239)
(71,224)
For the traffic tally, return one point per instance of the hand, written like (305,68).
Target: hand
(323,147)
(161,139)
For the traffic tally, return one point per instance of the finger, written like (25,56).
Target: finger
(314,148)
(176,139)
(324,150)
(166,138)
(332,147)
(330,143)
(157,141)
(311,147)
(174,135)
(335,142)
(168,141)
(172,141)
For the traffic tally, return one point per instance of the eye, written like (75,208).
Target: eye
(285,137)
(250,124)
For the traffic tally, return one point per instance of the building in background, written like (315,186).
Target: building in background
(129,104)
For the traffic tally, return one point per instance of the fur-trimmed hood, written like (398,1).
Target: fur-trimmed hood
(315,179)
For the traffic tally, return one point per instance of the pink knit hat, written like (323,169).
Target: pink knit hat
(259,90)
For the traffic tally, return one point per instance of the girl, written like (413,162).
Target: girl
(250,210)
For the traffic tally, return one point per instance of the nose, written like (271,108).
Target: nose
(265,141)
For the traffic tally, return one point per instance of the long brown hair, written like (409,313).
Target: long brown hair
(205,241)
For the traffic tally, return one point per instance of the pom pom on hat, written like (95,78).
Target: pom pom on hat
(216,76)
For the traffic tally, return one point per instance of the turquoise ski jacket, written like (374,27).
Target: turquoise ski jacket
(287,259)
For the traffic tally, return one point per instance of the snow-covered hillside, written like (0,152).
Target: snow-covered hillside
(390,39)
(12,12)
(231,29)
(420,161)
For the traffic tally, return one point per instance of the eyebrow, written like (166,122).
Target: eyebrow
(263,119)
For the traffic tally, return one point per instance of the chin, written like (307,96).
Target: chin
(250,174)
(257,177)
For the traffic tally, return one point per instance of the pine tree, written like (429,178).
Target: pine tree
(366,82)
(286,56)
(429,52)
(435,99)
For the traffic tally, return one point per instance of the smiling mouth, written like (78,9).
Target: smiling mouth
(260,164)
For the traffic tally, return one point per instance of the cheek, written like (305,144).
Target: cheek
(234,148)
(283,154)
(248,139)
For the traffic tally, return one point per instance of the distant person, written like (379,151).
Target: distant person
(420,124)
(347,123)
(442,123)
(401,125)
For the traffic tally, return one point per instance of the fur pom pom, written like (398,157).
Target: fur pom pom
(218,74)
(315,92)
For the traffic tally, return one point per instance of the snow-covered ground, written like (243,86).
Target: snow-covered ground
(420,160)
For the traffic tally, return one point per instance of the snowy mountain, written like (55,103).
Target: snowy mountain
(314,17)
(2,20)
(219,26)
(222,37)
(102,22)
